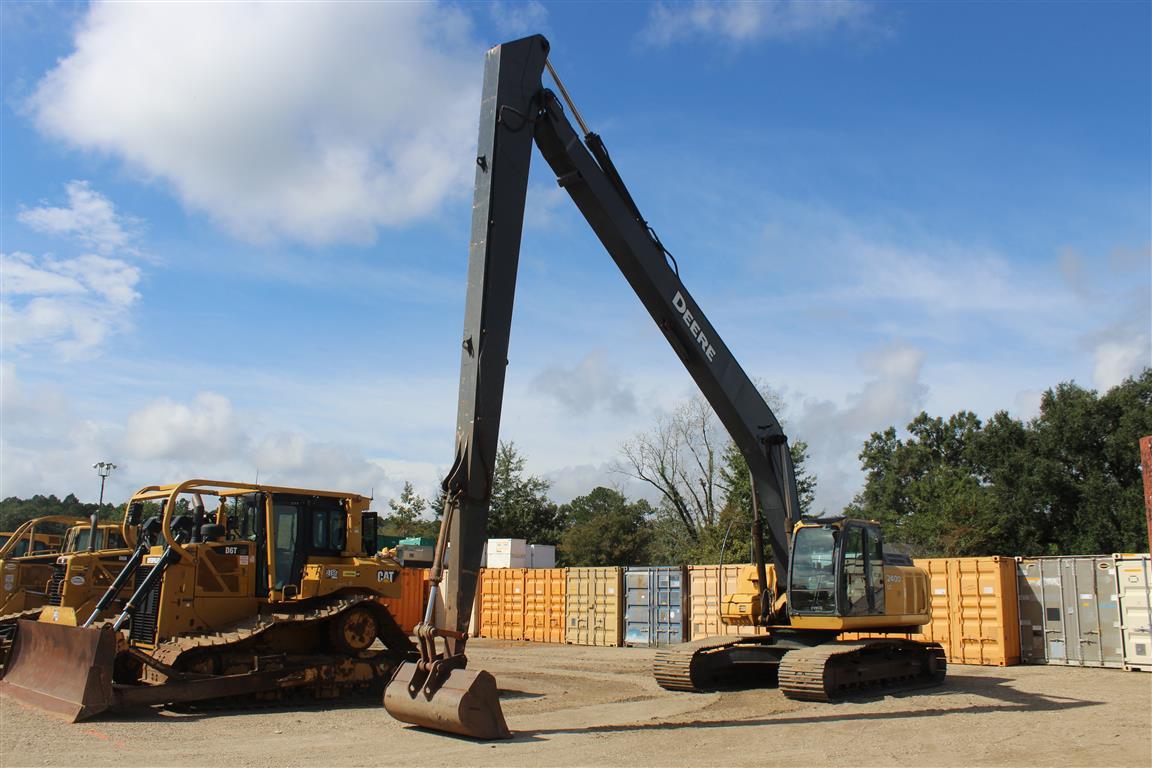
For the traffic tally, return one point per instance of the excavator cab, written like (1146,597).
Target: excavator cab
(839,578)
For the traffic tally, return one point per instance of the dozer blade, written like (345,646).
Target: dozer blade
(63,670)
(466,703)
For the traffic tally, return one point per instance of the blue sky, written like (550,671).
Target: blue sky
(235,236)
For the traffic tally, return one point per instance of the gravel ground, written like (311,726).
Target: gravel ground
(571,705)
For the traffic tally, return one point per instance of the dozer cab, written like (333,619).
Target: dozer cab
(812,579)
(276,591)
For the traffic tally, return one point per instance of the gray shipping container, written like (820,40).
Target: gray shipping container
(1134,576)
(654,602)
(1069,611)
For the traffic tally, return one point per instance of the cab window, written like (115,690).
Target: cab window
(855,573)
(812,587)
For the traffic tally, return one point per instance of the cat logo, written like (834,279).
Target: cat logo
(388,576)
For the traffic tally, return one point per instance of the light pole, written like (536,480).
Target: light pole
(103,468)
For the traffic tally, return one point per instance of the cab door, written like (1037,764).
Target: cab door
(861,570)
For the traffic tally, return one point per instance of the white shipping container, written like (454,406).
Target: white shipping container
(541,556)
(506,560)
(1134,576)
(508,546)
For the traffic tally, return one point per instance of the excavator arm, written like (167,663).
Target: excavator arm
(517,112)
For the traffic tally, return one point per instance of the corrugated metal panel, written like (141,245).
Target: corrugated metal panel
(1076,602)
(408,609)
(704,589)
(544,590)
(1134,577)
(592,606)
(973,606)
(654,600)
(502,603)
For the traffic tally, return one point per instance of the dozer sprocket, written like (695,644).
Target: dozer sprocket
(8,627)
(838,670)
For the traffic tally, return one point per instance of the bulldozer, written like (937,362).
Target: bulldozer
(812,579)
(275,592)
(31,562)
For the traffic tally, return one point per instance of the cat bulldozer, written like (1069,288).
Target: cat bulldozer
(275,592)
(30,561)
(811,580)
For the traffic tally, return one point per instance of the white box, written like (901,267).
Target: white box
(507,560)
(541,556)
(508,546)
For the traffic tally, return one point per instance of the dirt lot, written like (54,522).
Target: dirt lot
(600,706)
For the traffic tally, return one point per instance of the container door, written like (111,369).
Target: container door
(1028,588)
(637,607)
(1134,575)
(1055,612)
(1108,603)
(668,623)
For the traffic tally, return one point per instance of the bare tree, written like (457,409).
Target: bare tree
(683,458)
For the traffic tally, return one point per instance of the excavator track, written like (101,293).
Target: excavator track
(691,666)
(8,626)
(837,670)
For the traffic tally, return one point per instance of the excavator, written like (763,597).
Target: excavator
(812,579)
(276,592)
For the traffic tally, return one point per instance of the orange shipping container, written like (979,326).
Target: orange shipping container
(408,609)
(705,590)
(974,610)
(593,606)
(502,603)
(544,590)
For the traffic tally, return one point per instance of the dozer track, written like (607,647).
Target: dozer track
(252,662)
(257,645)
(8,626)
(838,670)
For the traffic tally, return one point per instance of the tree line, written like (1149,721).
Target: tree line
(1065,482)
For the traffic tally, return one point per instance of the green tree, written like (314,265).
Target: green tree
(605,529)
(1067,482)
(14,510)
(407,516)
(520,508)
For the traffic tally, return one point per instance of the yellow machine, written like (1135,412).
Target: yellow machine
(813,579)
(29,562)
(276,590)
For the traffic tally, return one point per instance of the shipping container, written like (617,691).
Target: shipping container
(1134,581)
(1072,611)
(418,541)
(501,593)
(408,609)
(654,603)
(544,590)
(505,560)
(706,588)
(973,610)
(541,556)
(593,606)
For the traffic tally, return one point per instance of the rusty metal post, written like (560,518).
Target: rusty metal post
(1146,462)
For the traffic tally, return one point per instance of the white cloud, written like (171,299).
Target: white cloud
(90,217)
(518,18)
(165,429)
(745,21)
(892,395)
(305,120)
(1117,359)
(70,305)
(589,384)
